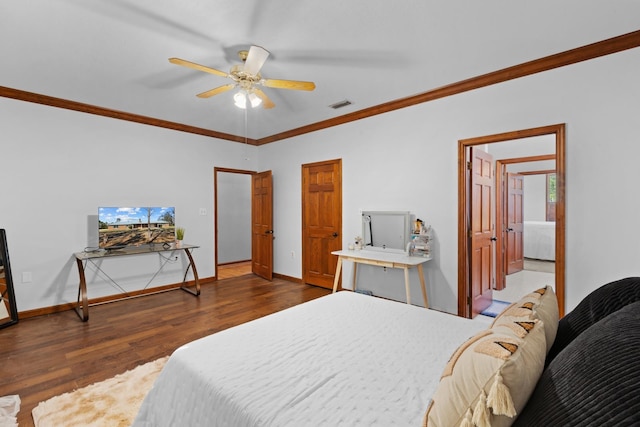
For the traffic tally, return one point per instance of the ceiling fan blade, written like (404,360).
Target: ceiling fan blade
(198,67)
(216,91)
(266,101)
(288,84)
(255,60)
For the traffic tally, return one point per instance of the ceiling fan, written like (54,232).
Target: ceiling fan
(246,76)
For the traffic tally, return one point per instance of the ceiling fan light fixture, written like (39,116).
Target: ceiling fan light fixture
(240,100)
(255,100)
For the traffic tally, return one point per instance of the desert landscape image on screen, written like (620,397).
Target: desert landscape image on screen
(120,227)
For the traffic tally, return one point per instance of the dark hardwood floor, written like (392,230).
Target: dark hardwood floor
(42,357)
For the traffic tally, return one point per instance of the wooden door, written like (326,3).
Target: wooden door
(321,221)
(515,223)
(262,224)
(481,231)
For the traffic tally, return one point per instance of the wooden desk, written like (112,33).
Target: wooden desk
(82,306)
(383,259)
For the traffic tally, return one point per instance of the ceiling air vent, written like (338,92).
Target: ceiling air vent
(340,104)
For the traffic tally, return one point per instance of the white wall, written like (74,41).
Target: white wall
(234,217)
(58,166)
(407,160)
(535,198)
(63,165)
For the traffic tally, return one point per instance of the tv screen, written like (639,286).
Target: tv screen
(120,227)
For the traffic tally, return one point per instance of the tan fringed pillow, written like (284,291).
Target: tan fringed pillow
(488,379)
(541,304)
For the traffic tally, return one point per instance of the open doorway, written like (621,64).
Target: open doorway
(232,222)
(478,236)
(525,210)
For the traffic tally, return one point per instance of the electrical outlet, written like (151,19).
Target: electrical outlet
(203,211)
(26,277)
(293,254)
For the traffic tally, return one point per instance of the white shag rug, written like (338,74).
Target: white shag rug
(9,408)
(113,402)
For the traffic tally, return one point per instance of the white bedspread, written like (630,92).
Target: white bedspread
(539,240)
(343,359)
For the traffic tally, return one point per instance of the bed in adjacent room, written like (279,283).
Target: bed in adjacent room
(539,239)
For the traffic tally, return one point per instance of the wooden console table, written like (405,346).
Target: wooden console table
(383,259)
(82,258)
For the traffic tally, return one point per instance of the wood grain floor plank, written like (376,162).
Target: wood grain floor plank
(44,356)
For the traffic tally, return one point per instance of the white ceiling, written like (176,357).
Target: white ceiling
(114,53)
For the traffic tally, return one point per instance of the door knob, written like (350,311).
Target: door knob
(509,229)
(335,234)
(268,232)
(494,238)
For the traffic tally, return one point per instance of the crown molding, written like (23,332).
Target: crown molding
(573,56)
(115,114)
(584,53)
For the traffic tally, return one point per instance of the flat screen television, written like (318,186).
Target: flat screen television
(121,227)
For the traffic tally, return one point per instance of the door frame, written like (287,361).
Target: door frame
(215,210)
(501,171)
(559,131)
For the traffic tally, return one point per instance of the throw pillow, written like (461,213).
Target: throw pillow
(594,381)
(488,379)
(541,304)
(597,305)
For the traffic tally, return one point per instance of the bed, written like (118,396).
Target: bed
(343,359)
(539,239)
(348,359)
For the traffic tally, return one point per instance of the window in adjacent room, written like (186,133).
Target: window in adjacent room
(551,197)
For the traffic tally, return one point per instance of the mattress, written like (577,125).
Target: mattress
(539,240)
(342,359)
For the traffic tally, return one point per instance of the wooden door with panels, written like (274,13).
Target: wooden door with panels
(321,221)
(509,223)
(481,229)
(514,246)
(262,225)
